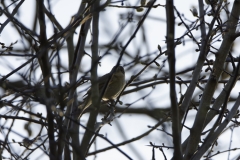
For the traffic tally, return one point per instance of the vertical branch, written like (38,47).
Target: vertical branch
(229,37)
(46,71)
(78,54)
(205,43)
(218,127)
(74,57)
(200,62)
(171,60)
(76,61)
(61,102)
(69,39)
(95,89)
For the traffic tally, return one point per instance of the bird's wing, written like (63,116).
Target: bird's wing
(102,80)
(101,83)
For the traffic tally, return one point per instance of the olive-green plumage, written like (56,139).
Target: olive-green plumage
(113,89)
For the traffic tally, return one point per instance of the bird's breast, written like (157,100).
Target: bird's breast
(114,88)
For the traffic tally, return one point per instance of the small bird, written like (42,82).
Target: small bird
(113,89)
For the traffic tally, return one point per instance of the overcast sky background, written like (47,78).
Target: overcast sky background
(134,125)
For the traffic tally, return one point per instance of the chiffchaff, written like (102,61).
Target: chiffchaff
(112,91)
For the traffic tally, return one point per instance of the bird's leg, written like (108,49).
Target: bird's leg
(111,113)
(111,102)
